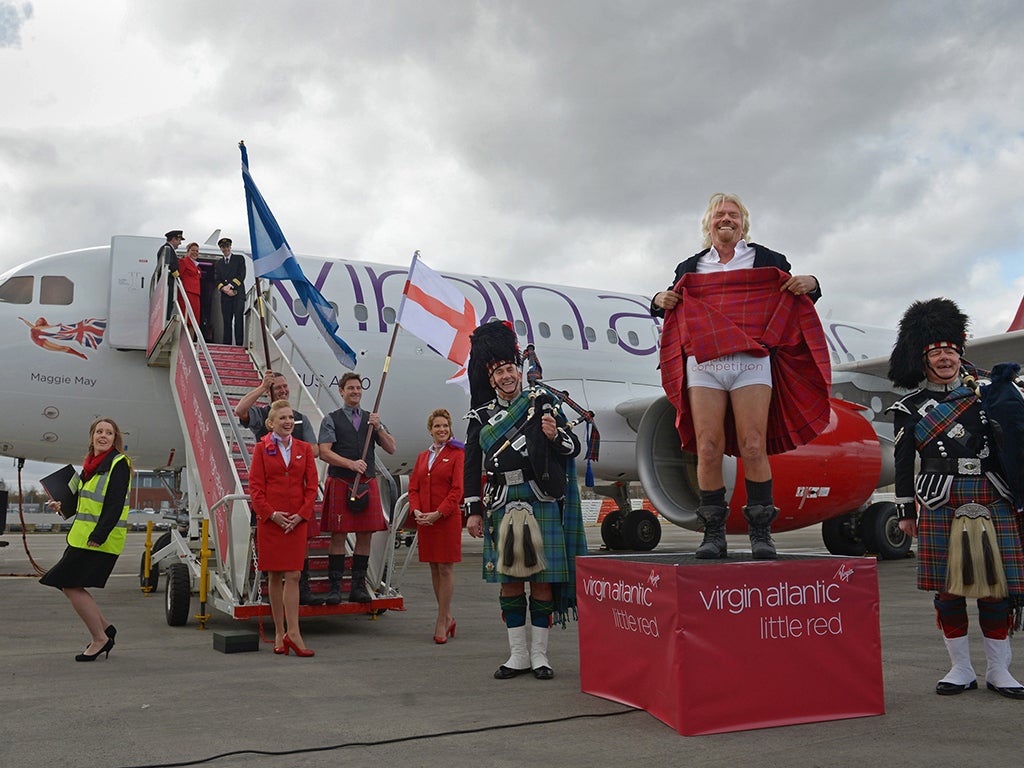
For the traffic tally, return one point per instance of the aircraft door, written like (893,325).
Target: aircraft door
(132,262)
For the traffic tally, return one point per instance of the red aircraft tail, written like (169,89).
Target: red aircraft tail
(1018,320)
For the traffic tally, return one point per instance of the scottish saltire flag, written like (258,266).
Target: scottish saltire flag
(273,259)
(434,310)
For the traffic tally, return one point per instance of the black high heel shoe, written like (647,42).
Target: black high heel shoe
(110,631)
(105,649)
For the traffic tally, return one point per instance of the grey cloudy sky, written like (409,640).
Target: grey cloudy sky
(878,144)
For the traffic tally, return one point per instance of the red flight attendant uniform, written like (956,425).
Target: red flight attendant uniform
(188,273)
(275,487)
(439,489)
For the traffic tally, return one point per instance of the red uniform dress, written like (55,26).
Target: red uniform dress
(274,487)
(439,489)
(188,273)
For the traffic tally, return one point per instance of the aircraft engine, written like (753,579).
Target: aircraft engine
(833,475)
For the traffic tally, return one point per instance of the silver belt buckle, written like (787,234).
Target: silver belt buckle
(968,466)
(515,477)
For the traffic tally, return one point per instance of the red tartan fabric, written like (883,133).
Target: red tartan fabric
(336,516)
(744,311)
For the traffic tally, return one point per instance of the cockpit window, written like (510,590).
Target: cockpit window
(56,289)
(17,290)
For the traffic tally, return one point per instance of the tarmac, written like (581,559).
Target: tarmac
(381,692)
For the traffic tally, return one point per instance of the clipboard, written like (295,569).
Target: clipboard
(63,486)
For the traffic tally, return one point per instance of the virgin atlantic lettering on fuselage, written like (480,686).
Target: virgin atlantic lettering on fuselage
(628,324)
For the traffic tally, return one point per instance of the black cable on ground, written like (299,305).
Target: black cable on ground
(382,742)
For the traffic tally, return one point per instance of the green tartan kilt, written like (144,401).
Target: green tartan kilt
(563,542)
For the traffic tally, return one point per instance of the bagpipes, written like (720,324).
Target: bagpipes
(546,399)
(593,442)
(1003,402)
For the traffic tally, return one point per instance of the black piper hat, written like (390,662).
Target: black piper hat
(224,241)
(491,346)
(926,325)
(175,233)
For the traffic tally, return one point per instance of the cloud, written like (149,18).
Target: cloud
(877,144)
(12,18)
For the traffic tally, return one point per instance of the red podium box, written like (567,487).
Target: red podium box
(714,646)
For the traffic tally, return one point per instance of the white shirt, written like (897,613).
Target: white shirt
(286,450)
(743,258)
(434,450)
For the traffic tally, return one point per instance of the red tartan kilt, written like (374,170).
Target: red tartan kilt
(336,516)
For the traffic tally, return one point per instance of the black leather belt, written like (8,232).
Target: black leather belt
(970,467)
(513,477)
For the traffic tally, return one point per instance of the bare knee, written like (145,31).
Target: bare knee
(754,454)
(540,590)
(513,588)
(710,449)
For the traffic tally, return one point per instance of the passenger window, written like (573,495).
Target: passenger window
(544,330)
(520,328)
(567,333)
(17,290)
(389,315)
(613,337)
(359,310)
(56,289)
(634,340)
(298,308)
(590,333)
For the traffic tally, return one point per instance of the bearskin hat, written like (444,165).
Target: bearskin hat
(925,325)
(491,345)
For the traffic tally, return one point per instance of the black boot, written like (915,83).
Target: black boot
(760,517)
(713,546)
(306,595)
(335,573)
(359,593)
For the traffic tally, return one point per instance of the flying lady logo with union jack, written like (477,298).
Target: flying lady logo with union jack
(87,334)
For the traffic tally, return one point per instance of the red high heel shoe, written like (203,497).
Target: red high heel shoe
(450,632)
(298,651)
(281,649)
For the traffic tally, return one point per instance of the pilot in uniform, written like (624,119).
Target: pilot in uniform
(968,535)
(529,512)
(229,274)
(167,256)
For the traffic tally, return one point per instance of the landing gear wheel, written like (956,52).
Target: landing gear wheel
(641,530)
(177,595)
(611,531)
(840,536)
(154,570)
(882,534)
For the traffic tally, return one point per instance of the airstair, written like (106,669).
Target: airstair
(215,557)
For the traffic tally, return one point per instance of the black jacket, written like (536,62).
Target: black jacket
(763,257)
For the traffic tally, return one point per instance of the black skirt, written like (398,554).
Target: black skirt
(80,568)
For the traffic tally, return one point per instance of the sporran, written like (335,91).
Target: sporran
(974,568)
(520,542)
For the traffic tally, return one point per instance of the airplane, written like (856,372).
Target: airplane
(75,334)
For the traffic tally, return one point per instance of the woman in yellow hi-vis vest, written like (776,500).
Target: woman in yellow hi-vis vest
(98,533)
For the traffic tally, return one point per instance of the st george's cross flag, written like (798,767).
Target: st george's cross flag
(437,312)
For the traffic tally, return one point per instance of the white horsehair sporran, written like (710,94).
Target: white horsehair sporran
(520,542)
(974,568)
